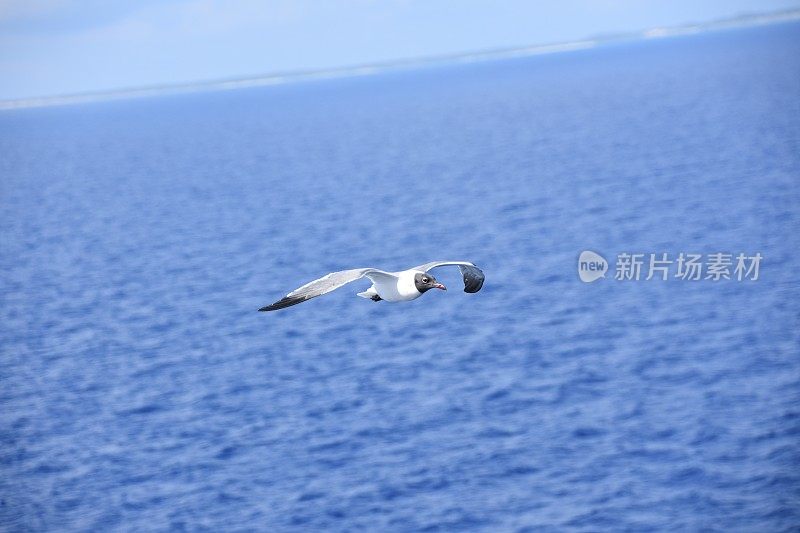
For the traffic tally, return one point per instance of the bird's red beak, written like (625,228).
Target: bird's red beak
(440,286)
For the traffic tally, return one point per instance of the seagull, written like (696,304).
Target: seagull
(400,286)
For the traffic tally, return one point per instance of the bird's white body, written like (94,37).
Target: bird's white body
(397,287)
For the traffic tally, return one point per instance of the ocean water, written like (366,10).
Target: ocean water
(141,391)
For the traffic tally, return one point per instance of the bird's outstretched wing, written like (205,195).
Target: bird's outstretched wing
(324,285)
(473,276)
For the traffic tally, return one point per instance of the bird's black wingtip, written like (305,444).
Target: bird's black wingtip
(472,287)
(473,279)
(288,301)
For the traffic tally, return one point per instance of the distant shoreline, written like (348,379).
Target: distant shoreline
(374,68)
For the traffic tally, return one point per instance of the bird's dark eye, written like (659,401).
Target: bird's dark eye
(425,280)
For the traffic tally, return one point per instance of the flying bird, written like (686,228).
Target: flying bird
(390,286)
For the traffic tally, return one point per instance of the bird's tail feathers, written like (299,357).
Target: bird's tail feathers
(369,294)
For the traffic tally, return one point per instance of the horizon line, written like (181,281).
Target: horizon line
(286,77)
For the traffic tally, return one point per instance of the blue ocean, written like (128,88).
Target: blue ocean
(140,389)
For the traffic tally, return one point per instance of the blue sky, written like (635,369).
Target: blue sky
(51,47)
